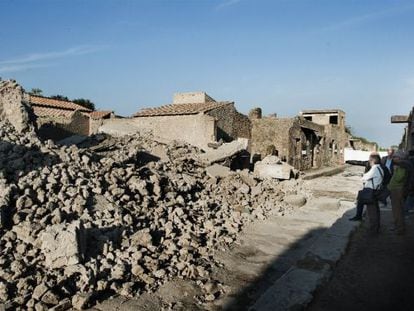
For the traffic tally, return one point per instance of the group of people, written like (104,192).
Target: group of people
(389,177)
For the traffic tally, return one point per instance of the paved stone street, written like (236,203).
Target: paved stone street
(377,273)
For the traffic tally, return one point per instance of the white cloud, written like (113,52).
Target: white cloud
(37,60)
(21,67)
(226,3)
(36,57)
(365,18)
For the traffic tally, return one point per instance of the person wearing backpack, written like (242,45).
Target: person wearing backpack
(397,187)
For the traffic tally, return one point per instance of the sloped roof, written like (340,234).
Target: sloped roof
(55,103)
(52,112)
(99,114)
(180,109)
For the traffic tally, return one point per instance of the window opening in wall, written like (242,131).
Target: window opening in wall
(333,120)
(308,118)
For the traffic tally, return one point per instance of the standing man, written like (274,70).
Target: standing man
(397,187)
(388,161)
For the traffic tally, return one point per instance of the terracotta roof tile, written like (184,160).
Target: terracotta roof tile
(55,103)
(180,109)
(52,112)
(100,114)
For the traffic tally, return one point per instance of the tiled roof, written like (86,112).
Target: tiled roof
(55,103)
(100,114)
(52,112)
(180,109)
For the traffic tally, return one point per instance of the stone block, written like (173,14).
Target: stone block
(218,171)
(295,200)
(63,245)
(279,171)
(224,151)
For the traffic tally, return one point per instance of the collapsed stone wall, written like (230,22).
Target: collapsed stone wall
(14,106)
(131,212)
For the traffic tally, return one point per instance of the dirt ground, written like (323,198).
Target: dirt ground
(377,273)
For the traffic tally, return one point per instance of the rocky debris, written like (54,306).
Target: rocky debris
(63,245)
(273,167)
(218,171)
(14,107)
(224,151)
(111,218)
(296,200)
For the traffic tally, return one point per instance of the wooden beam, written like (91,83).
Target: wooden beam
(400,119)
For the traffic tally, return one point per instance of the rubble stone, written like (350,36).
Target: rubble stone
(101,218)
(62,245)
(295,200)
(272,167)
(218,171)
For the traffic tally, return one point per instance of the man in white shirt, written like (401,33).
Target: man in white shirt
(373,179)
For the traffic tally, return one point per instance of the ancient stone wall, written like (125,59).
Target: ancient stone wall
(230,123)
(242,126)
(334,143)
(94,125)
(14,107)
(225,118)
(271,131)
(56,128)
(198,130)
(301,143)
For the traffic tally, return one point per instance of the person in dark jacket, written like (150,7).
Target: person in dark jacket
(388,160)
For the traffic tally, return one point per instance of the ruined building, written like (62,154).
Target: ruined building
(407,142)
(335,138)
(195,118)
(57,119)
(313,139)
(294,140)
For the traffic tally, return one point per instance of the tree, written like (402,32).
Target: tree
(59,97)
(85,103)
(36,91)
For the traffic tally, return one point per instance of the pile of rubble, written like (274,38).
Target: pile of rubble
(122,216)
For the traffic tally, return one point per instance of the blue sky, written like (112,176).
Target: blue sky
(281,55)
